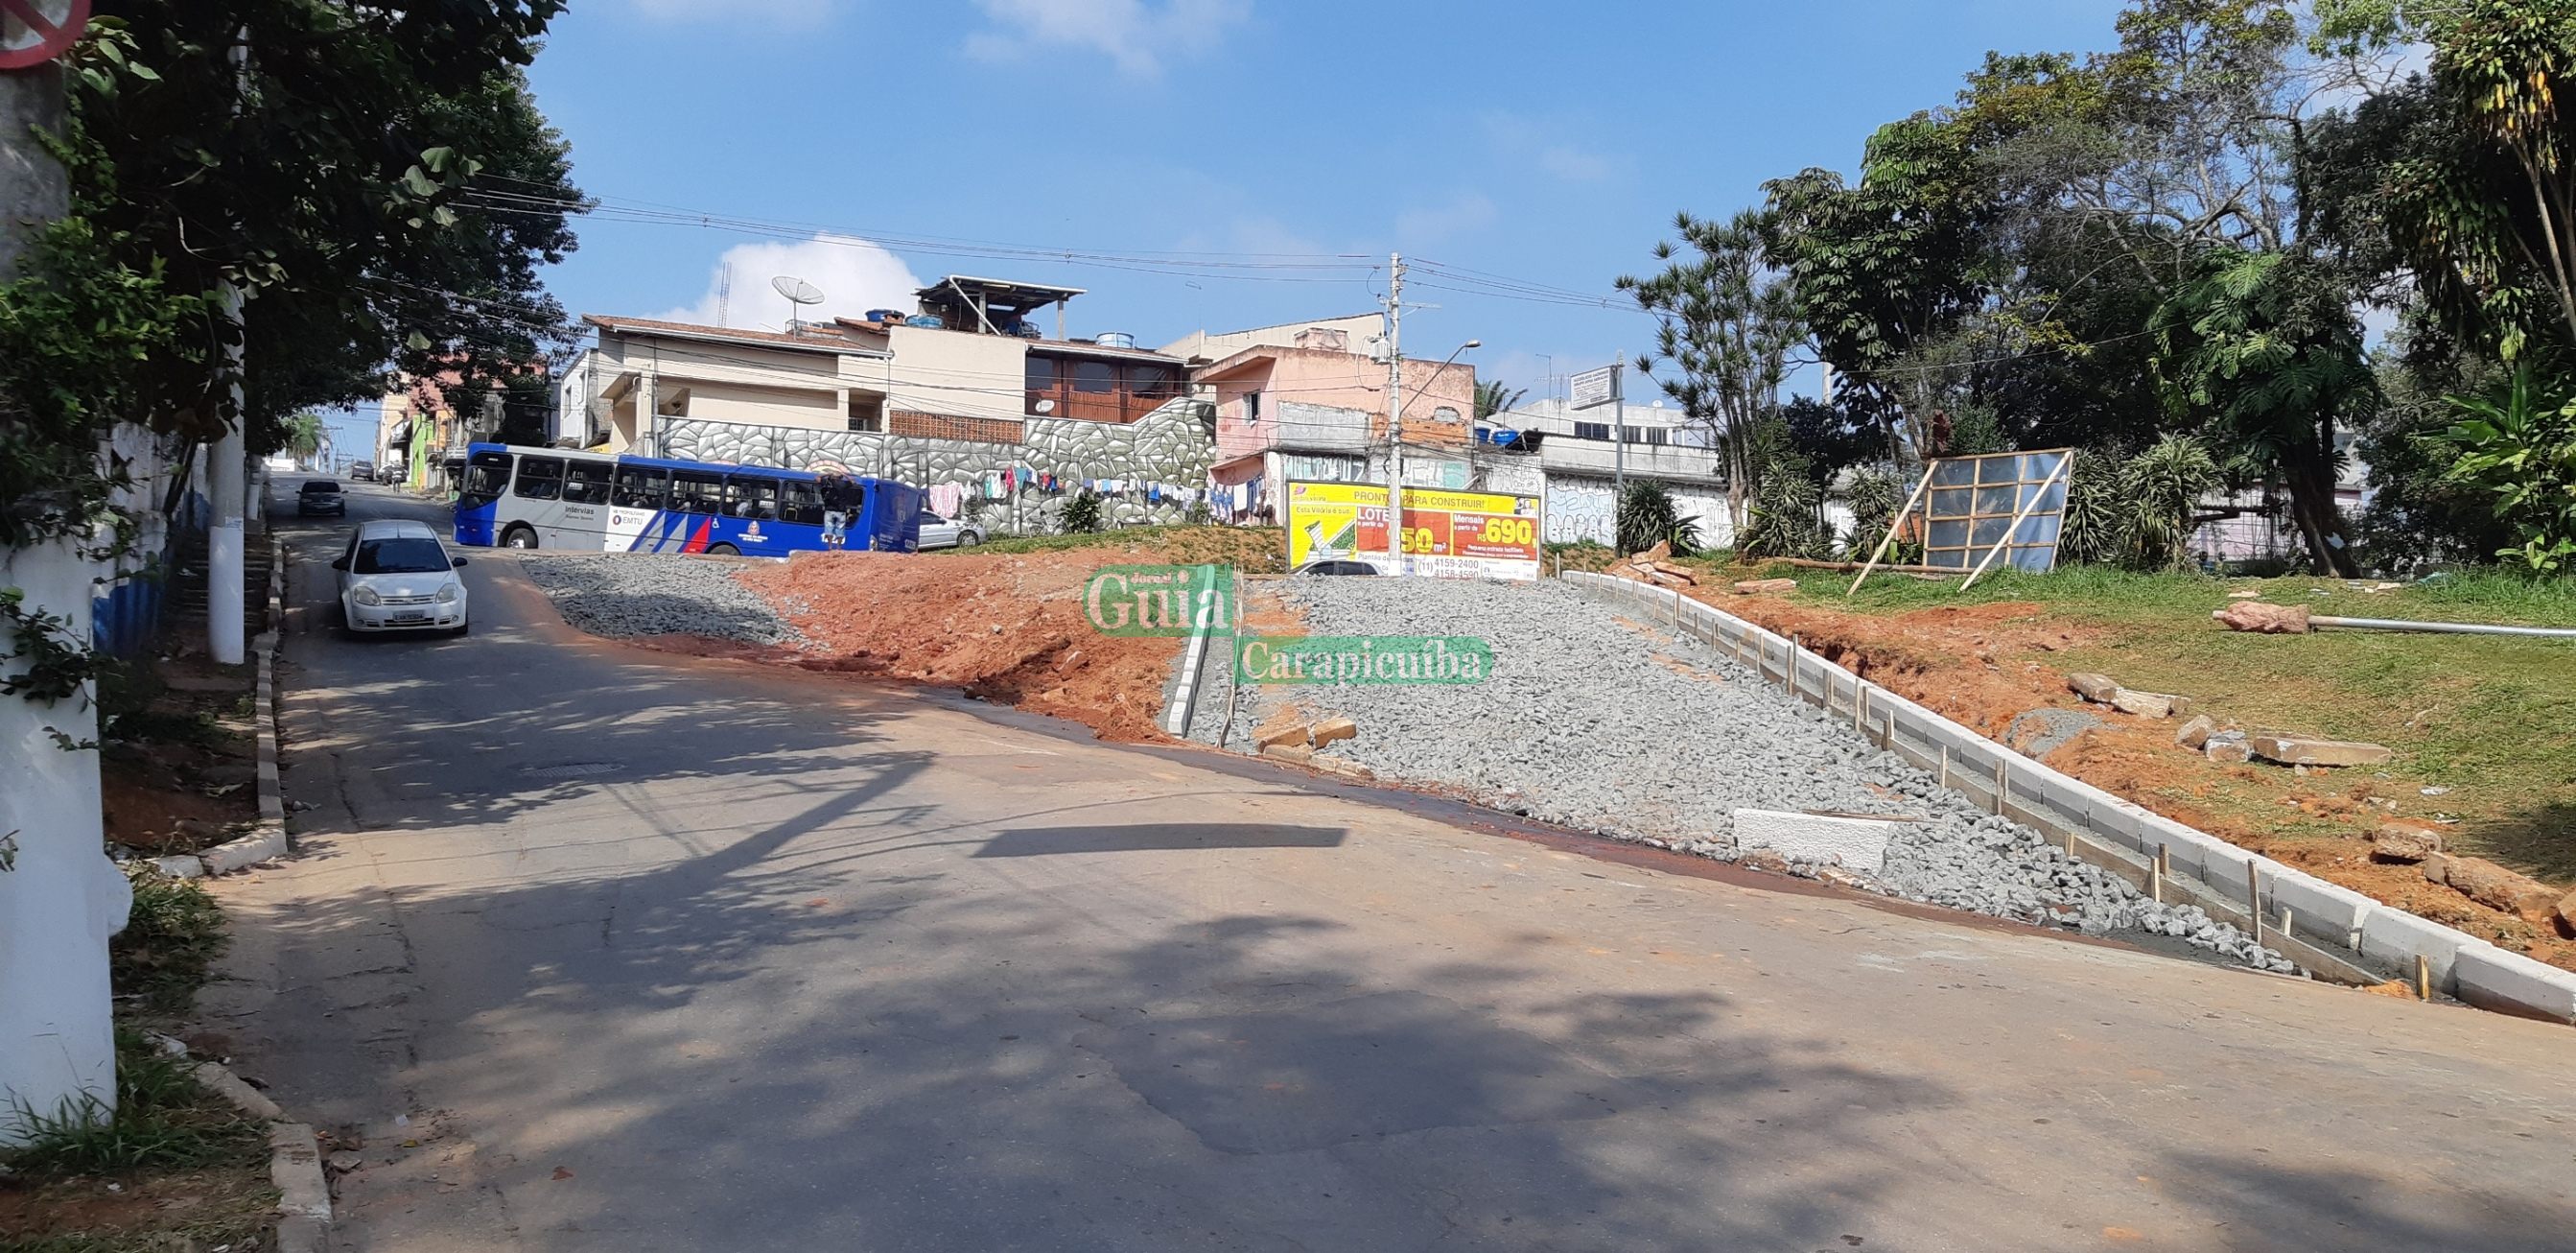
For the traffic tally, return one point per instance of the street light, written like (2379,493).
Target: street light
(1395,456)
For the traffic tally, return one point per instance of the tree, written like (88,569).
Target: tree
(1727,327)
(1886,269)
(2482,203)
(338,172)
(2519,447)
(1492,398)
(2261,353)
(303,436)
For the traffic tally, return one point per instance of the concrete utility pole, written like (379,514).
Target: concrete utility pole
(60,898)
(228,464)
(1395,413)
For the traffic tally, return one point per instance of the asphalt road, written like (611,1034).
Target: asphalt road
(601,948)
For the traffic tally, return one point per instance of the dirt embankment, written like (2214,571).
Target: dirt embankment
(1971,664)
(1007,629)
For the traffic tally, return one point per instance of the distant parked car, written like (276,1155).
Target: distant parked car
(939,532)
(396,576)
(1337,565)
(319,496)
(363,471)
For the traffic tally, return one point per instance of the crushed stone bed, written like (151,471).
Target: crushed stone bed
(1592,724)
(633,594)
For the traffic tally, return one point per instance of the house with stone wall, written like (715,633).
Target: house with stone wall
(965,393)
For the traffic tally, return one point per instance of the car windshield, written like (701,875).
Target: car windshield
(407,555)
(319,486)
(484,479)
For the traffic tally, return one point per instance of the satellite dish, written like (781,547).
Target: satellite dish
(799,294)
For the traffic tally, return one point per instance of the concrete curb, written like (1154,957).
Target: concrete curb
(294,1160)
(268,842)
(2332,930)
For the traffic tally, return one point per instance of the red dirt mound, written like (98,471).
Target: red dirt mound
(1008,629)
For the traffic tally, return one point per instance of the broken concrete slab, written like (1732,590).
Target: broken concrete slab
(2035,733)
(1749,587)
(1278,733)
(2143,704)
(1347,769)
(2494,886)
(2098,688)
(2196,732)
(2262,619)
(2299,750)
(1296,753)
(2228,747)
(2404,844)
(1331,729)
(1850,842)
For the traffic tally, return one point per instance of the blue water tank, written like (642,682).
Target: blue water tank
(927,321)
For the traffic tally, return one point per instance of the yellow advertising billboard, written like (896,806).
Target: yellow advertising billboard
(1449,535)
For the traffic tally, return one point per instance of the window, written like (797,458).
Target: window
(407,555)
(485,476)
(1592,430)
(867,413)
(1151,380)
(1647,434)
(540,478)
(641,489)
(1095,376)
(1041,373)
(800,501)
(1252,406)
(586,483)
(693,492)
(747,496)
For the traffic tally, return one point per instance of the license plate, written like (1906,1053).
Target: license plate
(411,617)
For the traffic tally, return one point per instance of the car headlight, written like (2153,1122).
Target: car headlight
(450,593)
(366,596)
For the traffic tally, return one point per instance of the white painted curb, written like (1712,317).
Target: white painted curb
(2333,921)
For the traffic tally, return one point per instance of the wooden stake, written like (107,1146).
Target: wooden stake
(2423,978)
(2254,900)
(1893,526)
(1860,706)
(1945,766)
(2156,877)
(2015,529)
(2003,784)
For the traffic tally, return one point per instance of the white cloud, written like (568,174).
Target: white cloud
(1573,164)
(855,276)
(1467,211)
(716,15)
(1553,145)
(1134,34)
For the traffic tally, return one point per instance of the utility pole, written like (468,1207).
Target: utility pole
(60,898)
(226,464)
(1395,413)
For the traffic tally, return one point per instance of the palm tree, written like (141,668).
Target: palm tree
(1492,398)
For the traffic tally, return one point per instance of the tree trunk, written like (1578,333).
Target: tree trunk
(2310,478)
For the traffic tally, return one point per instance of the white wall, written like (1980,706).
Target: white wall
(63,898)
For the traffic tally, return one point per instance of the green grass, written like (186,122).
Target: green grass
(2492,719)
(164,1119)
(171,939)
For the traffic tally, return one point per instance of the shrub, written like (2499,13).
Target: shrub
(1648,515)
(170,941)
(1083,514)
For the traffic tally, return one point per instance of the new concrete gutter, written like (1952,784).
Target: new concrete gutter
(2326,928)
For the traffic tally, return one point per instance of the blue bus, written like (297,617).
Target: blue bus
(553,498)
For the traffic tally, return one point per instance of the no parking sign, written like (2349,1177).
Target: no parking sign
(33,32)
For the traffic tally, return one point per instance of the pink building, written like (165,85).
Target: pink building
(1317,411)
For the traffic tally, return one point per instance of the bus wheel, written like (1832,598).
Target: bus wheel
(519,537)
(723,550)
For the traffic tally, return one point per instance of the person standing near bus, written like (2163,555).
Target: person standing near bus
(840,499)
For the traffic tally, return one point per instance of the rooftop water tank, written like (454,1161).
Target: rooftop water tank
(1116,339)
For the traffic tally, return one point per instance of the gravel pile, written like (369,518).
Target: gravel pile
(657,594)
(1587,725)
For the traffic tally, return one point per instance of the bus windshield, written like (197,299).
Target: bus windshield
(487,474)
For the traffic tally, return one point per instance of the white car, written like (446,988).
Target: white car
(396,576)
(939,532)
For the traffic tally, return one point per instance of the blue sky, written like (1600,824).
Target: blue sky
(1547,142)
